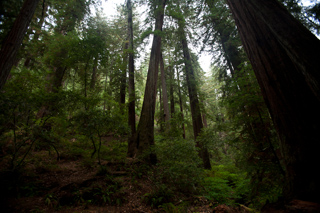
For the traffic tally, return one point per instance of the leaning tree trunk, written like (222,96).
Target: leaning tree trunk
(144,137)
(11,45)
(282,53)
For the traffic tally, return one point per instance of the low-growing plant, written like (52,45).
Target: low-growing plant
(172,208)
(161,194)
(51,200)
(179,164)
(217,189)
(226,184)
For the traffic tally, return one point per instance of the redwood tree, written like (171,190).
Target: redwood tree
(164,92)
(282,54)
(131,86)
(11,45)
(144,137)
(193,95)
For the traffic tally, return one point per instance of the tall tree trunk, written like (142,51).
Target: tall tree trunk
(171,93)
(12,43)
(131,86)
(282,54)
(171,85)
(105,90)
(144,137)
(123,83)
(193,96)
(164,93)
(204,117)
(161,117)
(181,107)
(258,129)
(37,33)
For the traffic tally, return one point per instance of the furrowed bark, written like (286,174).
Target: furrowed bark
(282,54)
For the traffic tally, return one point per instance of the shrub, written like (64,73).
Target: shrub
(226,184)
(160,195)
(217,189)
(178,164)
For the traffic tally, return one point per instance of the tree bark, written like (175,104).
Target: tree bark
(193,96)
(144,137)
(164,92)
(12,43)
(171,94)
(181,107)
(282,54)
(131,86)
(161,120)
(123,80)
(204,118)
(30,56)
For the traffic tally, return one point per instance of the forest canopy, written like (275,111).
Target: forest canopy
(101,111)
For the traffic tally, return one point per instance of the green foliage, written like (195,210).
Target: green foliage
(244,135)
(171,208)
(115,151)
(161,194)
(95,123)
(51,200)
(82,116)
(226,184)
(17,118)
(178,164)
(218,189)
(176,122)
(109,194)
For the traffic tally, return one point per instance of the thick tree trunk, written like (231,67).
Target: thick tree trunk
(144,137)
(164,92)
(259,128)
(12,43)
(193,96)
(282,54)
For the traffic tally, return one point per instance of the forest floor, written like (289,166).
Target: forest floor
(77,183)
(72,185)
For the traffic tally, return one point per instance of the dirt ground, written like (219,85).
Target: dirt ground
(58,187)
(74,185)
